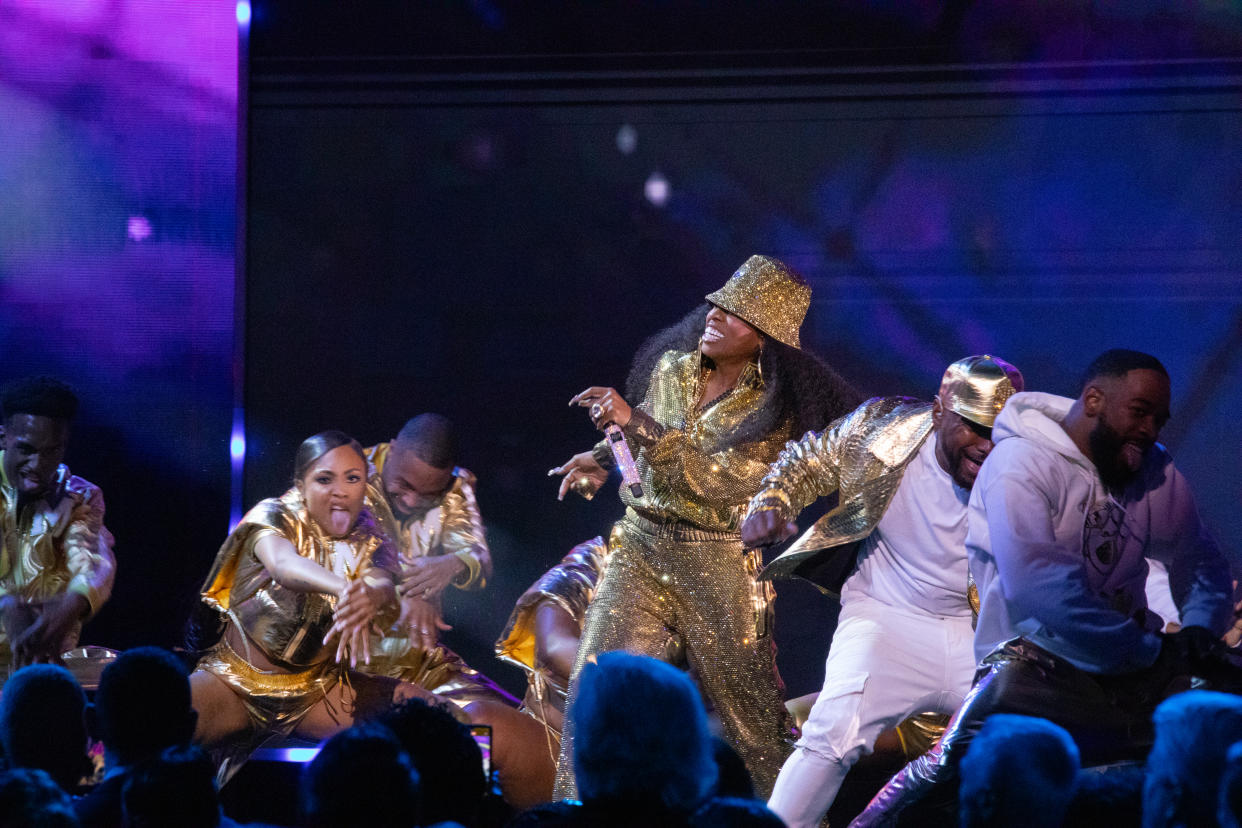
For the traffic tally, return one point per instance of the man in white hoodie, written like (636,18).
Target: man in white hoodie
(1072,499)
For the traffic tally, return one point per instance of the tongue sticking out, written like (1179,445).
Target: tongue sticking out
(1132,456)
(339,521)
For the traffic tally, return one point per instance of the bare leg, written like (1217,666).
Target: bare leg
(523,752)
(221,712)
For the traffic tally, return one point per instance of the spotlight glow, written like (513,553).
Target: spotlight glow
(656,189)
(237,447)
(138,228)
(243,12)
(627,139)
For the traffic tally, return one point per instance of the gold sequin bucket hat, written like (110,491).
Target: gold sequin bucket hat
(978,386)
(768,296)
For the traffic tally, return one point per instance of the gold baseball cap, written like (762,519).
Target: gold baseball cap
(767,295)
(978,386)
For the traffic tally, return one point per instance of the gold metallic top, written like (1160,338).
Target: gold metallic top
(56,543)
(452,527)
(687,472)
(862,457)
(977,387)
(570,585)
(768,295)
(287,626)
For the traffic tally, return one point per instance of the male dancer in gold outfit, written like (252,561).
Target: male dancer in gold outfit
(427,506)
(720,394)
(56,562)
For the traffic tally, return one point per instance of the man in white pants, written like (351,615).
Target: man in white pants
(903,644)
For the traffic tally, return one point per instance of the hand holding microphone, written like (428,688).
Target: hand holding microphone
(610,413)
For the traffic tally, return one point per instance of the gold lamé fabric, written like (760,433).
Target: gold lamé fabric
(977,387)
(287,626)
(438,670)
(452,527)
(275,702)
(52,545)
(571,586)
(862,457)
(919,732)
(677,567)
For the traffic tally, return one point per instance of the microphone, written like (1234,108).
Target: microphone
(625,461)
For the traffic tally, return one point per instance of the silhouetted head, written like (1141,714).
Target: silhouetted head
(1194,732)
(446,756)
(1019,771)
(1229,802)
(362,776)
(142,706)
(30,799)
(178,787)
(42,723)
(641,734)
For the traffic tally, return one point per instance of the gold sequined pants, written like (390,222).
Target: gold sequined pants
(698,586)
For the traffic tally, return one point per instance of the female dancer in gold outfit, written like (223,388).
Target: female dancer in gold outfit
(720,394)
(299,583)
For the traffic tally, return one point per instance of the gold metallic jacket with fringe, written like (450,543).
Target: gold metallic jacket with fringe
(861,457)
(287,626)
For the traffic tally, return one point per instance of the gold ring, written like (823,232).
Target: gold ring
(597,410)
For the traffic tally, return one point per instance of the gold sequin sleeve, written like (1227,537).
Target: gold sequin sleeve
(684,456)
(856,454)
(463,533)
(805,470)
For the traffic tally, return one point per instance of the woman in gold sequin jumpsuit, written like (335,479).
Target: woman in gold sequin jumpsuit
(720,394)
(298,583)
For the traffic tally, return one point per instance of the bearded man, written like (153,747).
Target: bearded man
(1076,495)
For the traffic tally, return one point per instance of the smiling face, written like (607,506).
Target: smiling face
(34,447)
(334,487)
(412,486)
(728,338)
(961,444)
(1129,412)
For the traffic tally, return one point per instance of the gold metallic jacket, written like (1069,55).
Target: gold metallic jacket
(687,473)
(451,528)
(571,586)
(56,544)
(287,626)
(862,457)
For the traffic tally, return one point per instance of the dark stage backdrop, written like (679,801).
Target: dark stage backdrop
(118,135)
(488,252)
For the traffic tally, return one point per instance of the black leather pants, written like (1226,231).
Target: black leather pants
(1108,716)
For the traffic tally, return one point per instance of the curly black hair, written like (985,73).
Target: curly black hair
(799,387)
